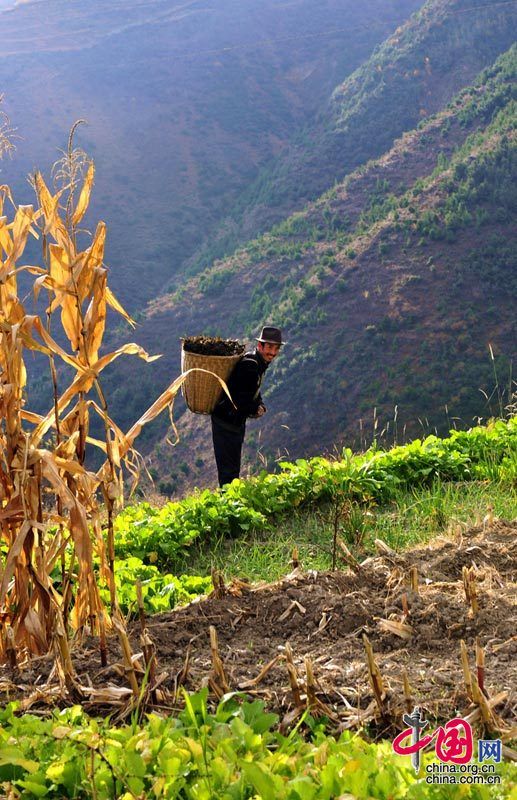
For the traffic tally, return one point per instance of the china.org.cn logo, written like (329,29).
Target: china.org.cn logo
(454,747)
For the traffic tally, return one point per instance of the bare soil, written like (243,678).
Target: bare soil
(322,617)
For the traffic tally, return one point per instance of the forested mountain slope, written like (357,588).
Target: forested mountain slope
(390,284)
(390,289)
(412,75)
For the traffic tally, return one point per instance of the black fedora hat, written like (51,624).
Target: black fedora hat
(270,335)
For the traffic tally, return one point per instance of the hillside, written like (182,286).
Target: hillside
(412,75)
(185,103)
(397,241)
(324,617)
(267,639)
(399,592)
(399,276)
(412,547)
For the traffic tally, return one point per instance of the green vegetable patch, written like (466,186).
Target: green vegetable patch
(234,753)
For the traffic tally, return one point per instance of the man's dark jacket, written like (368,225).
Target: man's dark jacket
(244,387)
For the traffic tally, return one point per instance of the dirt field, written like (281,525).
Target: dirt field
(322,617)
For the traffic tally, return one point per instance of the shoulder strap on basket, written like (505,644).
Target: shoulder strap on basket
(251,357)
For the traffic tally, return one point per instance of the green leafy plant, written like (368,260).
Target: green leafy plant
(233,752)
(164,535)
(160,592)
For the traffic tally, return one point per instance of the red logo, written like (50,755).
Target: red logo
(453,741)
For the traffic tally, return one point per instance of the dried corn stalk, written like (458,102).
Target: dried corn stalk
(467,675)
(400,629)
(408,699)
(218,680)
(36,608)
(347,556)
(480,666)
(470,587)
(413,579)
(374,675)
(293,676)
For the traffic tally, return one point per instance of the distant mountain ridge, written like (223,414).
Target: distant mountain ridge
(185,103)
(436,52)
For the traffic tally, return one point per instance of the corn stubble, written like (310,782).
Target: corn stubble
(50,503)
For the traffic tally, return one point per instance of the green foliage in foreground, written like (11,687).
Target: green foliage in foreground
(232,754)
(164,535)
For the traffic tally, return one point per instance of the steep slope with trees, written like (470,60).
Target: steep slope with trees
(382,282)
(412,75)
(391,288)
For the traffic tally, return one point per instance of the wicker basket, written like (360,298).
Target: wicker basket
(202,391)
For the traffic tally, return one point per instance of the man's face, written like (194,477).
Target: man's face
(268,351)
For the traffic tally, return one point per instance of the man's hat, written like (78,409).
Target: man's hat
(270,335)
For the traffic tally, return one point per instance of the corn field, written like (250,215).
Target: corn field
(50,502)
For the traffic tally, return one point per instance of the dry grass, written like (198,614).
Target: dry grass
(7,133)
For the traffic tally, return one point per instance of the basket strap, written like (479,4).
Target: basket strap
(260,375)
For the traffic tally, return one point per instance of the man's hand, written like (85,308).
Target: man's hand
(261,410)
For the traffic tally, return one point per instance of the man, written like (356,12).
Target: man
(228,421)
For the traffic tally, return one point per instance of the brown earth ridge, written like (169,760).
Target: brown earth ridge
(322,619)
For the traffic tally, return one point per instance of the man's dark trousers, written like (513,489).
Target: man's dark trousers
(227,449)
